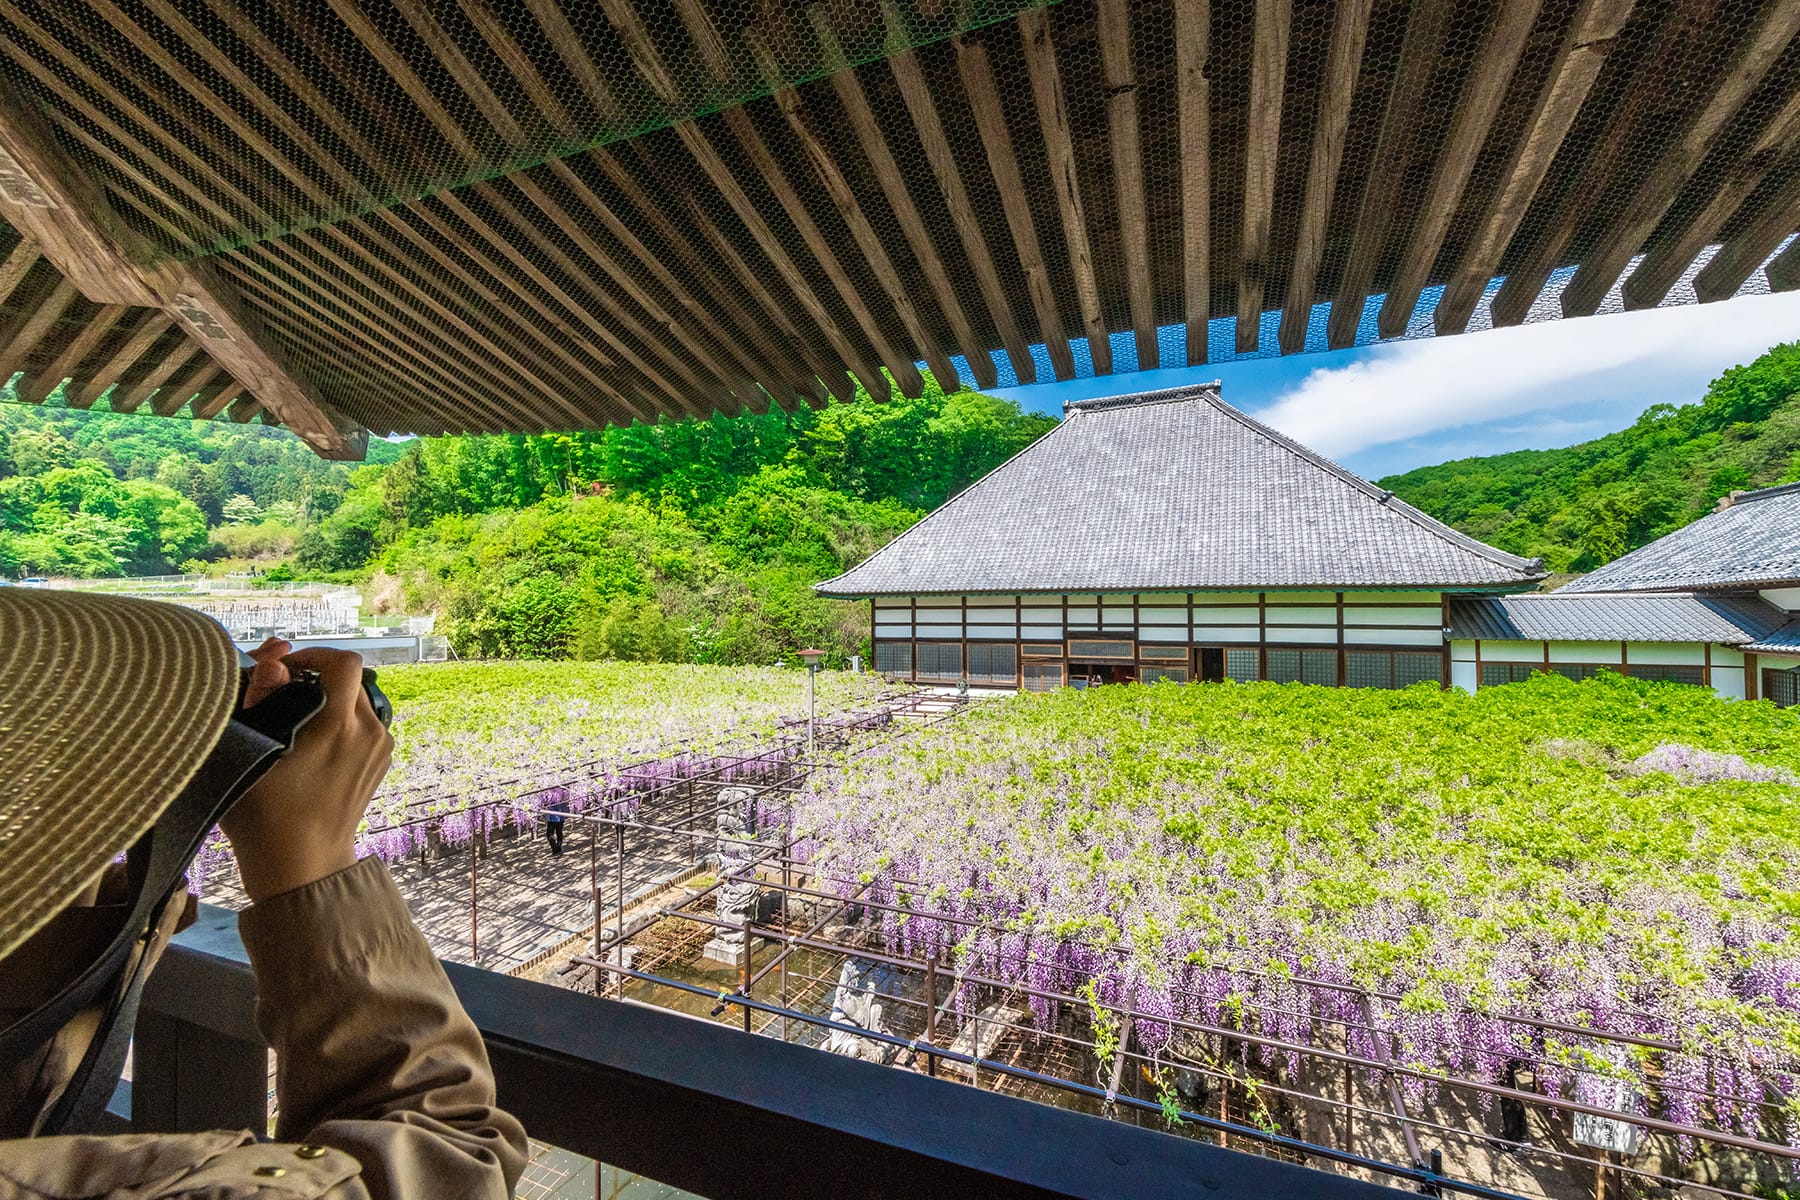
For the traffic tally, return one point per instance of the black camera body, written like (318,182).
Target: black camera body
(281,713)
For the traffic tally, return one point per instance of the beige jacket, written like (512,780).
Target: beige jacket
(384,1086)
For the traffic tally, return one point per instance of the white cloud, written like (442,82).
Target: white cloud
(1419,388)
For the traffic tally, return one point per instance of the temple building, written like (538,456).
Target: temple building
(1166,535)
(1711,604)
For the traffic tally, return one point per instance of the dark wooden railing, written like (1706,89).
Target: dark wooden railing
(698,1106)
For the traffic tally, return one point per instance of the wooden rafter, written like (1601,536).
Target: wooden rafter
(1738,258)
(21,341)
(168,401)
(35,386)
(210,407)
(129,397)
(915,94)
(1652,279)
(93,248)
(763,331)
(17,266)
(1476,109)
(1262,146)
(734,379)
(1419,49)
(895,191)
(990,123)
(1349,31)
(1193,102)
(750,140)
(1052,104)
(1526,278)
(844,198)
(1601,266)
(1119,73)
(1571,78)
(151,327)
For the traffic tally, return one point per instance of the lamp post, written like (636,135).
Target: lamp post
(811,658)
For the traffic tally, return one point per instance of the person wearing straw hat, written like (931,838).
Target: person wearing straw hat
(126,731)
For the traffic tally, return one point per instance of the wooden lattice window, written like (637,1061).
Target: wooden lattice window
(993,663)
(893,658)
(1043,677)
(1303,666)
(1099,649)
(1158,673)
(940,661)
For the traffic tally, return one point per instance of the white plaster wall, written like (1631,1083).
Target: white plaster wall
(1521,652)
(1783,598)
(1462,674)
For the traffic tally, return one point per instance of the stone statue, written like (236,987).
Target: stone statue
(857,1001)
(733,852)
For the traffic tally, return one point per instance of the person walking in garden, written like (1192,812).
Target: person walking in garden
(553,831)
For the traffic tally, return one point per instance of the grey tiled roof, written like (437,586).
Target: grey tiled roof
(1173,491)
(1755,541)
(1636,617)
(1785,640)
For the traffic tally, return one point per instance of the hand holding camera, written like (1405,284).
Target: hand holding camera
(298,824)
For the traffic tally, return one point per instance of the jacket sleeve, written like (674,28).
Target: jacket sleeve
(375,1055)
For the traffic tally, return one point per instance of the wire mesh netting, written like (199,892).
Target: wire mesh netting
(472,216)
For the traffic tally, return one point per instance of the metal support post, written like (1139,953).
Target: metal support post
(931,1014)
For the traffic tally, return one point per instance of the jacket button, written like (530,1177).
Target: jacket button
(310,1152)
(270,1172)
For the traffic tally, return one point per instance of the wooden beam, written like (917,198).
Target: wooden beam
(17,266)
(733,379)
(216,386)
(523,68)
(1349,32)
(1738,258)
(628,24)
(1574,203)
(20,343)
(1065,179)
(1193,102)
(93,247)
(1119,73)
(561,36)
(1661,267)
(207,409)
(843,198)
(763,331)
(1578,61)
(35,386)
(1419,50)
(1262,147)
(1784,271)
(900,366)
(60,210)
(990,122)
(895,191)
(207,306)
(244,409)
(352,14)
(150,328)
(128,398)
(1600,266)
(169,400)
(915,93)
(1495,60)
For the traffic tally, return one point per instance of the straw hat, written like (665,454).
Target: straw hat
(107,708)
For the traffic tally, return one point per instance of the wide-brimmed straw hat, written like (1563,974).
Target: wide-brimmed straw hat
(107,708)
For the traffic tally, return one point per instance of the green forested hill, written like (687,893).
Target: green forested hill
(1585,505)
(696,540)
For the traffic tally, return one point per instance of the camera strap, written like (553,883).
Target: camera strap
(113,982)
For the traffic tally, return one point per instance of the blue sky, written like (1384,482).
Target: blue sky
(1392,406)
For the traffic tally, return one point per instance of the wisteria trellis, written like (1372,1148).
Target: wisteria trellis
(1263,857)
(480,746)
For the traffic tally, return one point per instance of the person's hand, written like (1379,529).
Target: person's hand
(298,824)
